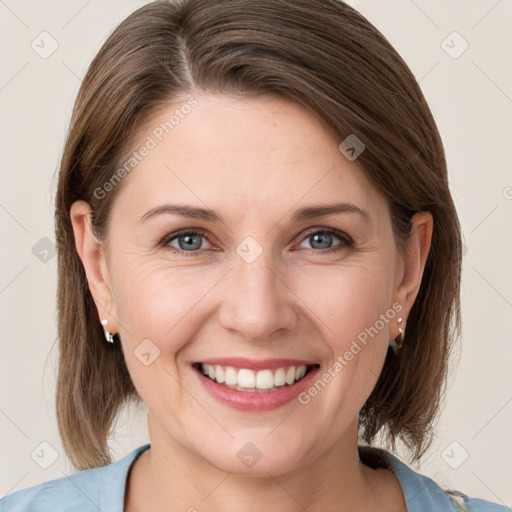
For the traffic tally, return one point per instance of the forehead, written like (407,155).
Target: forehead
(229,154)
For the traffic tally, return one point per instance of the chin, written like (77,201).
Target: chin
(258,455)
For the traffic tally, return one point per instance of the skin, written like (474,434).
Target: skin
(254,162)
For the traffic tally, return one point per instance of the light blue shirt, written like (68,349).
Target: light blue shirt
(103,488)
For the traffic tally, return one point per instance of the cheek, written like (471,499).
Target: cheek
(354,313)
(353,310)
(347,301)
(161,303)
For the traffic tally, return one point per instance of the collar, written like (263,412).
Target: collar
(421,492)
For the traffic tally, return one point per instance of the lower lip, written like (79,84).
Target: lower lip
(251,401)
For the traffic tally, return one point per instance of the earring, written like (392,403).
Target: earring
(396,344)
(108,335)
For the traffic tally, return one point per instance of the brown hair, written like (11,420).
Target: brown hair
(320,54)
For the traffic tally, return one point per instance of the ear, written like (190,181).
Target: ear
(92,255)
(412,266)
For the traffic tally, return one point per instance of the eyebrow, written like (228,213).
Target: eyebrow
(206,214)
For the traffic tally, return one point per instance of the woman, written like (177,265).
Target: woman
(257,240)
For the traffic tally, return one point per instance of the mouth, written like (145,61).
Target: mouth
(262,380)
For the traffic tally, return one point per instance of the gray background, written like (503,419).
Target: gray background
(470,94)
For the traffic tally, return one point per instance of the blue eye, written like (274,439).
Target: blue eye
(189,242)
(325,236)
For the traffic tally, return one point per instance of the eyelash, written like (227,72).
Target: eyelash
(346,241)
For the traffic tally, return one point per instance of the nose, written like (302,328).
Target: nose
(257,302)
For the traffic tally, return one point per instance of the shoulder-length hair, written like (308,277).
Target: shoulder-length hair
(322,55)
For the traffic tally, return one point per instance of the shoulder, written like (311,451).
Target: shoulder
(91,490)
(62,494)
(464,503)
(421,492)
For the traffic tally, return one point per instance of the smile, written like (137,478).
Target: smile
(257,390)
(245,379)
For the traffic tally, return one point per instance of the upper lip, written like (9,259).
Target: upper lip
(256,364)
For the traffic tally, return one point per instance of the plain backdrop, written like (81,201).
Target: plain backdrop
(460,51)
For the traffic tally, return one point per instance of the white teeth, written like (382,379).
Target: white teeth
(264,379)
(249,379)
(231,376)
(219,374)
(246,378)
(280,377)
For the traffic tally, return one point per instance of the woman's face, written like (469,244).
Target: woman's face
(260,281)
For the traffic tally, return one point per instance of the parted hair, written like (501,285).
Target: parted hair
(324,56)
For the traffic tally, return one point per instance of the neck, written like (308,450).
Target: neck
(170,477)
